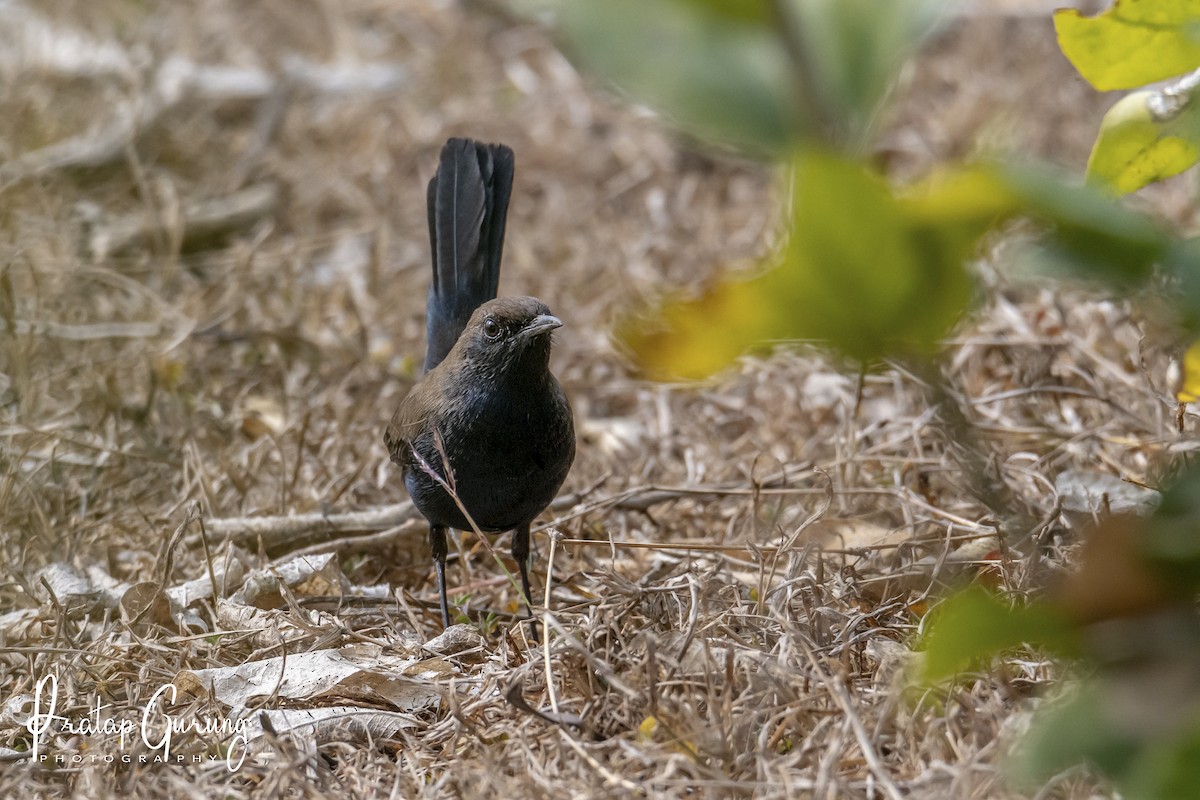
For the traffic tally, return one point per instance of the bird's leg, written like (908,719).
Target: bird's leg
(520,554)
(437,545)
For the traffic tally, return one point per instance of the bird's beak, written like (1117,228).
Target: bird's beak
(542,323)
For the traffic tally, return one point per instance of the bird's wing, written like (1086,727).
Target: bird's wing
(405,424)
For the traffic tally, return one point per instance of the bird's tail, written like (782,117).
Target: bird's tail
(468,203)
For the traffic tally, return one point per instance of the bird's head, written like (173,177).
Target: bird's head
(508,335)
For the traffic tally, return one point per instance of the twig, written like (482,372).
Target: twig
(838,692)
(82,333)
(554,537)
(810,104)
(278,531)
(366,543)
(177,81)
(300,529)
(198,220)
(604,771)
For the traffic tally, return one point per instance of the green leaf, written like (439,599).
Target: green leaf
(1091,232)
(1104,723)
(864,272)
(1188,390)
(856,48)
(1073,729)
(731,72)
(975,625)
(1145,137)
(875,274)
(1182,260)
(693,338)
(862,269)
(1134,43)
(720,79)
(757,12)
(1168,770)
(1172,540)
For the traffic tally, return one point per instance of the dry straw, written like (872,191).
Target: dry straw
(735,571)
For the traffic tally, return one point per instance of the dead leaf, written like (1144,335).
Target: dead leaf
(308,576)
(853,534)
(262,416)
(1087,496)
(144,603)
(1113,578)
(318,677)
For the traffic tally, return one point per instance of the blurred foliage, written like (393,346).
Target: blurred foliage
(1127,616)
(972,627)
(855,49)
(1092,724)
(754,74)
(802,81)
(1090,234)
(897,291)
(914,257)
(878,272)
(1172,542)
(713,68)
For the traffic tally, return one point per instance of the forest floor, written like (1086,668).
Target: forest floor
(213,263)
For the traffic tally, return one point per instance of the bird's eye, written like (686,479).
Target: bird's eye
(491,328)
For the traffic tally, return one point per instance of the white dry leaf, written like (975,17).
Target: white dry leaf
(855,535)
(307,576)
(229,571)
(1087,495)
(320,677)
(62,582)
(271,628)
(262,416)
(20,625)
(330,723)
(455,640)
(111,590)
(881,548)
(827,390)
(380,591)
(615,437)
(32,44)
(969,557)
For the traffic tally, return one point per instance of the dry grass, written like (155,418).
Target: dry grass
(254,375)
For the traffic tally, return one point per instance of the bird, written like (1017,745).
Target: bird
(486,437)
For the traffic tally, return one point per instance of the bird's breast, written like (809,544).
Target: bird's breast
(504,456)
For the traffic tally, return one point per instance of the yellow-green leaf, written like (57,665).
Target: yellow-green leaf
(873,274)
(975,625)
(1134,43)
(863,270)
(1188,390)
(691,339)
(1142,140)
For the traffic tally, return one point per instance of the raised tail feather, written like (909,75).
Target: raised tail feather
(468,203)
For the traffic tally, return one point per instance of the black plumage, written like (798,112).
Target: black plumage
(488,429)
(468,206)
